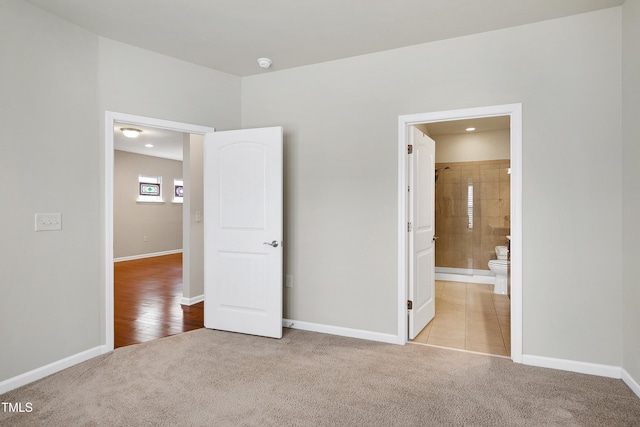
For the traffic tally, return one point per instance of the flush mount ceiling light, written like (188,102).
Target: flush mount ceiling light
(148,145)
(264,62)
(470,129)
(131,132)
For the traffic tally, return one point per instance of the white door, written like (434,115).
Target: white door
(243,231)
(421,233)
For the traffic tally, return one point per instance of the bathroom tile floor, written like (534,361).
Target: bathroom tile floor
(469,316)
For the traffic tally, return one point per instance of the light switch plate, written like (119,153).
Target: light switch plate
(48,221)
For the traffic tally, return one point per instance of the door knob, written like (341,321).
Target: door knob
(274,244)
(434,238)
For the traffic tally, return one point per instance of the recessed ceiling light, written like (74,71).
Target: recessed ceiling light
(131,132)
(148,145)
(470,129)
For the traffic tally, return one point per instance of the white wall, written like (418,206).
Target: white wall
(631,184)
(193,273)
(56,77)
(473,147)
(341,125)
(49,281)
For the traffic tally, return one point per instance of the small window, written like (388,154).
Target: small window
(470,206)
(149,188)
(178,191)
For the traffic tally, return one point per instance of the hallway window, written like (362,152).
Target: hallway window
(149,188)
(178,191)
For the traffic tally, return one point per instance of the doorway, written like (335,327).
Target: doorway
(406,123)
(111,118)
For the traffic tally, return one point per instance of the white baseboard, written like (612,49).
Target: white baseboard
(343,332)
(476,278)
(151,255)
(191,301)
(633,384)
(51,368)
(573,366)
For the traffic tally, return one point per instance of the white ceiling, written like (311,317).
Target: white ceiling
(230,35)
(451,127)
(166,143)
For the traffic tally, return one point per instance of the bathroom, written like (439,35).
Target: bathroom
(472,225)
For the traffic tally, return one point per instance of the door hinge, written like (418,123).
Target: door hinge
(410,149)
(409,227)
(410,305)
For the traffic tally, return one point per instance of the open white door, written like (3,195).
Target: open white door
(421,233)
(243,231)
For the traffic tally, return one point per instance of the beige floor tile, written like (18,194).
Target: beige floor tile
(481,309)
(447,331)
(448,307)
(455,316)
(493,338)
(504,320)
(423,336)
(469,316)
(479,289)
(503,310)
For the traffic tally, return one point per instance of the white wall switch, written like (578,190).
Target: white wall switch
(288,281)
(198,217)
(48,221)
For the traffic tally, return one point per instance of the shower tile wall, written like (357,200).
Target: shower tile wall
(470,244)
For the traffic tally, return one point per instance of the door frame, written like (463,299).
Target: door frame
(110,119)
(404,123)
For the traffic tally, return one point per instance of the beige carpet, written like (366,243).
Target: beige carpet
(212,378)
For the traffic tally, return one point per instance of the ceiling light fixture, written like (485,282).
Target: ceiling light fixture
(148,145)
(470,129)
(131,132)
(264,62)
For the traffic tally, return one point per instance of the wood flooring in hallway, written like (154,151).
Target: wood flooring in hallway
(147,294)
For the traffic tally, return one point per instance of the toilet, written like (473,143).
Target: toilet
(500,267)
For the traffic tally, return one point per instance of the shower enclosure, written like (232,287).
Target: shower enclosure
(472,215)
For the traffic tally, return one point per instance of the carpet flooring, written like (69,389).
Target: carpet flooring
(214,378)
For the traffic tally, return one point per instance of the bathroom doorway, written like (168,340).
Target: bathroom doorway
(472,218)
(478,204)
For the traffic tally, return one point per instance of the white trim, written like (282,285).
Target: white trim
(150,255)
(466,278)
(191,301)
(110,119)
(515,112)
(51,368)
(633,384)
(340,331)
(573,366)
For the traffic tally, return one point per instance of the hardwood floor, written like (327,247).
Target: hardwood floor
(147,294)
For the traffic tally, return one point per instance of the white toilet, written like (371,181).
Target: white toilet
(500,268)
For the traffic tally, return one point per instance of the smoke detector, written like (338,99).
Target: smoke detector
(264,62)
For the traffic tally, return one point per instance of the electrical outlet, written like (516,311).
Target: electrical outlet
(288,281)
(48,221)
(145,238)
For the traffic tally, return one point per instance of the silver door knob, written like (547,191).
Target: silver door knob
(274,244)
(434,238)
